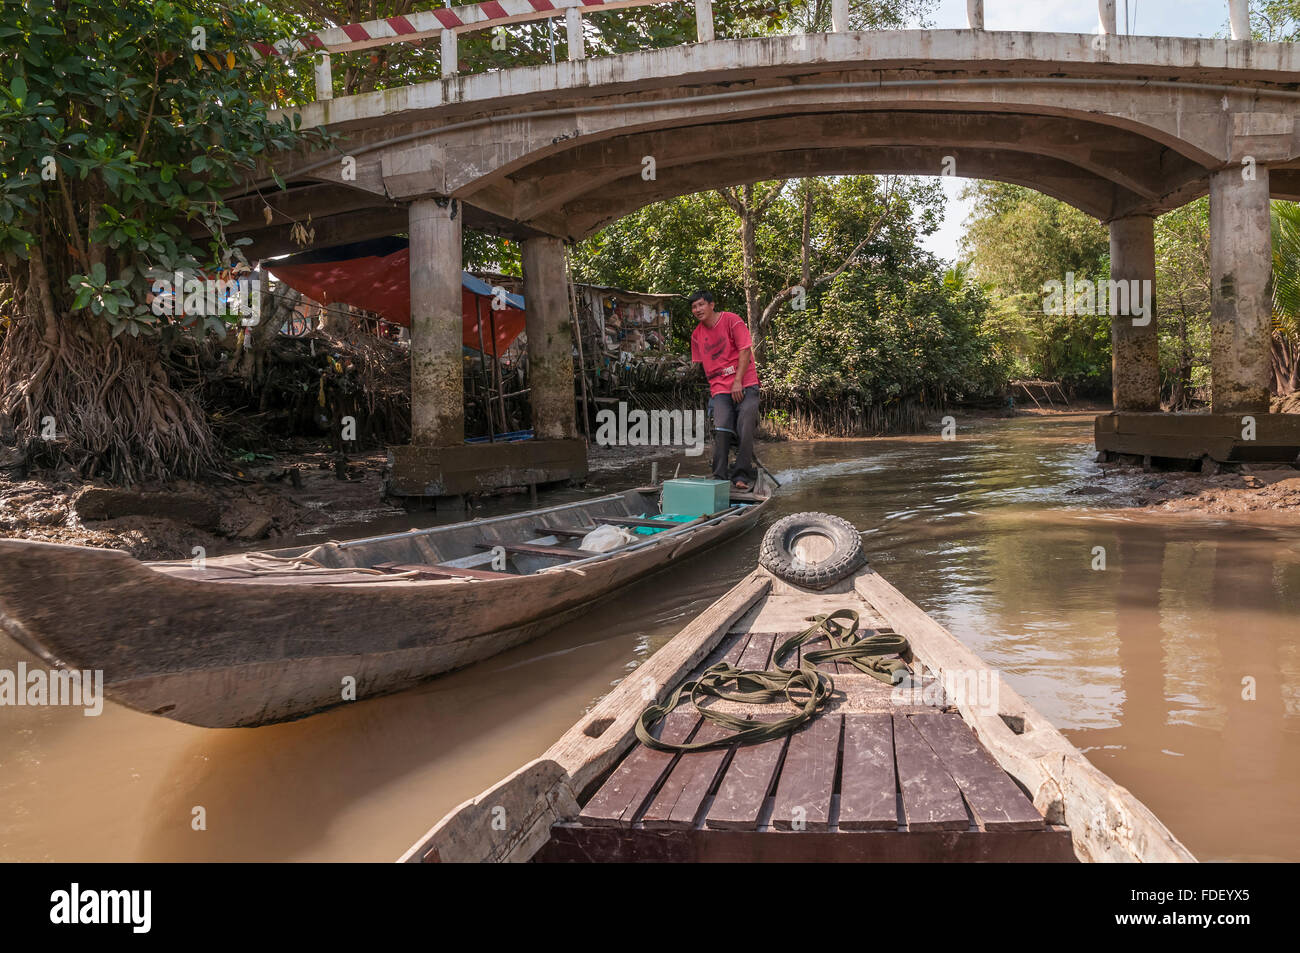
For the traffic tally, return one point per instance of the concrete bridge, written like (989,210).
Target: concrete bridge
(1122,127)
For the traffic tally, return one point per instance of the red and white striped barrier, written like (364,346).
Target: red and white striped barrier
(427,23)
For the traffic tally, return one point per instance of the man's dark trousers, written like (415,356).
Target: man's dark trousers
(734,426)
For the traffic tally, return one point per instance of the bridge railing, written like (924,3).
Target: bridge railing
(449,22)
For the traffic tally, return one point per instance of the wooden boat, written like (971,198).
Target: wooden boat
(251,639)
(949,765)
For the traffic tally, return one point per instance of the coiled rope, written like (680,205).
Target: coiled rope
(874,655)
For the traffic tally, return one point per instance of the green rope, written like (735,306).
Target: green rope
(870,655)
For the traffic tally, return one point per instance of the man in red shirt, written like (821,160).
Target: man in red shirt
(721,343)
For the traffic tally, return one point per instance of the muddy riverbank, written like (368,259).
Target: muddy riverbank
(271,501)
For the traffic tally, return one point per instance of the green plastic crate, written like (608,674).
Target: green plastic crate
(691,496)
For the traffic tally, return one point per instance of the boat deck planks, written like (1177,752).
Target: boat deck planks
(996,801)
(881,779)
(868,782)
(619,800)
(931,799)
(904,763)
(807,784)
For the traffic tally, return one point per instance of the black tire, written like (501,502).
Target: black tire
(777,553)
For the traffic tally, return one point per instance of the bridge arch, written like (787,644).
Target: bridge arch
(1121,127)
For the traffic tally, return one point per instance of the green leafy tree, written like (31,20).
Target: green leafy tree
(886,324)
(1016,241)
(122,125)
(1285,353)
(1276,20)
(1182,240)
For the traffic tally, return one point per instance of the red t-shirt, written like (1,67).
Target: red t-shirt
(718,349)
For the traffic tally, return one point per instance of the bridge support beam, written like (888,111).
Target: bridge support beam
(437,383)
(550,340)
(1241,271)
(1135,356)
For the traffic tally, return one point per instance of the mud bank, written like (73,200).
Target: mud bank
(264,500)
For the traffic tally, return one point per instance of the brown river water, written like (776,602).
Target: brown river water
(1176,669)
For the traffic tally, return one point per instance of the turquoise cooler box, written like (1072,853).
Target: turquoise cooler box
(695,497)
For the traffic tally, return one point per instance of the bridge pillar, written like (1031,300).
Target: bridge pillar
(550,340)
(1241,271)
(1135,357)
(437,384)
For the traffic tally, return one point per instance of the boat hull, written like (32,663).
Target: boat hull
(954,765)
(223,655)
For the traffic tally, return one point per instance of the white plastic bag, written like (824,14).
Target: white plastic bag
(603,539)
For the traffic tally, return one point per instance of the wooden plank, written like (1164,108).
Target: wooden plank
(758,653)
(681,797)
(591,746)
(1066,787)
(931,799)
(626,791)
(444,572)
(995,800)
(868,781)
(744,787)
(659,524)
(680,800)
(574,843)
(807,782)
(533,549)
(632,521)
(571,533)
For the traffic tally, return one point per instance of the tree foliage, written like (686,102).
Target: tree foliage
(888,325)
(122,126)
(1017,240)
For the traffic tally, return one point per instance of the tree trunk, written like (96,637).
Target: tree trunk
(749,259)
(1284,356)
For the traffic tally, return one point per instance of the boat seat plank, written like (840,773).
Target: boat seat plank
(533,549)
(571,532)
(803,793)
(868,782)
(931,799)
(632,783)
(445,572)
(635,521)
(994,798)
(745,785)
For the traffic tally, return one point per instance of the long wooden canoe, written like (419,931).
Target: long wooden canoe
(256,638)
(950,765)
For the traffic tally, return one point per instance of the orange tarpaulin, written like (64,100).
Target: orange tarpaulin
(376,276)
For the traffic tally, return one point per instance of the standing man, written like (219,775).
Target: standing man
(721,343)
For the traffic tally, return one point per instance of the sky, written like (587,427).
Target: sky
(1146,18)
